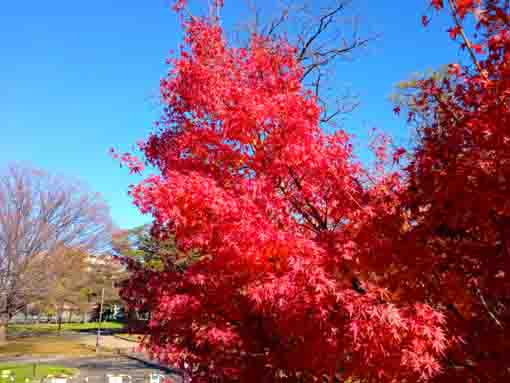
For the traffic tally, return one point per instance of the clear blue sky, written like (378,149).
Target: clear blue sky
(77,78)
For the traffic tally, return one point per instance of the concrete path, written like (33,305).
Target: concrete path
(96,369)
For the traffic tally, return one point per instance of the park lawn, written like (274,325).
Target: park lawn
(49,328)
(26,371)
(45,345)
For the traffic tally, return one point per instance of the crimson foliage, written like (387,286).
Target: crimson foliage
(312,265)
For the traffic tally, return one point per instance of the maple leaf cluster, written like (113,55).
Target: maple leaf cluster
(312,265)
(457,195)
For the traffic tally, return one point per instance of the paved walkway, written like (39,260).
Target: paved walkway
(95,369)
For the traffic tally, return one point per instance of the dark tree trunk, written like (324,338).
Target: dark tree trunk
(4,319)
(59,320)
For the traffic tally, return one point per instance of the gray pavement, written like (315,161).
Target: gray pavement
(96,369)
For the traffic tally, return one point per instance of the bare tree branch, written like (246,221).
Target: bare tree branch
(39,215)
(319,34)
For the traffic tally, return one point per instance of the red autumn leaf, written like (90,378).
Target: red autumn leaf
(437,4)
(477,48)
(179,5)
(454,31)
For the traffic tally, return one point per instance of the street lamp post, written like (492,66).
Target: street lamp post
(100,320)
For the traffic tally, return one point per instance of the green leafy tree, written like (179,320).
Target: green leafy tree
(150,252)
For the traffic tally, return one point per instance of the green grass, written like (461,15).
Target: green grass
(24,372)
(49,328)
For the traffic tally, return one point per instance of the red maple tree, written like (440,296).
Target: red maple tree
(457,195)
(311,265)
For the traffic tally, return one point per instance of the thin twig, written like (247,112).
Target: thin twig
(467,42)
(491,314)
